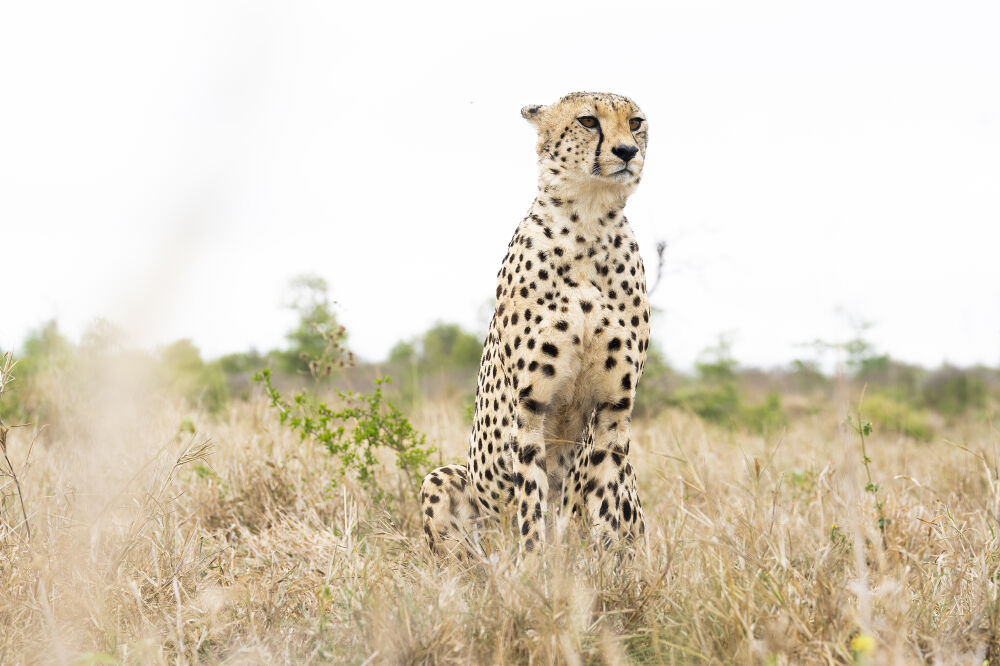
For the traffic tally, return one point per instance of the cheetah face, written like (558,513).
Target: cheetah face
(591,138)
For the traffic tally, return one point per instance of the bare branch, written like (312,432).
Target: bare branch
(661,247)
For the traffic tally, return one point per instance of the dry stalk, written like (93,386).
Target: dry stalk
(6,365)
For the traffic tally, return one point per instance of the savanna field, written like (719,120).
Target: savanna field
(158,508)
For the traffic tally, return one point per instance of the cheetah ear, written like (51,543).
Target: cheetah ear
(533,113)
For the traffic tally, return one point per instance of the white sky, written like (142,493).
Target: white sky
(171,165)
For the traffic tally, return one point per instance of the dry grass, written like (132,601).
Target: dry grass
(151,545)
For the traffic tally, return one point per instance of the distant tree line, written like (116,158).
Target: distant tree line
(443,360)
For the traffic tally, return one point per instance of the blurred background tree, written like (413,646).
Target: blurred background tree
(186,373)
(317,336)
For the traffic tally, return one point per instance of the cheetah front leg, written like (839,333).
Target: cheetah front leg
(450,514)
(609,493)
(531,480)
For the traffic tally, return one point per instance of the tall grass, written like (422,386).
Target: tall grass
(154,544)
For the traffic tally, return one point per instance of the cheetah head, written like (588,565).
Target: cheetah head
(591,139)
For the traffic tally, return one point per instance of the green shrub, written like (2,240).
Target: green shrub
(766,417)
(441,347)
(443,359)
(448,346)
(892,414)
(716,403)
(355,432)
(953,391)
(242,362)
(715,396)
(44,348)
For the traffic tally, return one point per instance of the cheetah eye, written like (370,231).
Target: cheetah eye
(590,122)
(635,124)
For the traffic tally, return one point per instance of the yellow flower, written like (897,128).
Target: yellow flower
(863,644)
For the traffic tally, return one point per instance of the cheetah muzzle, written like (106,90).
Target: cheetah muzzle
(566,345)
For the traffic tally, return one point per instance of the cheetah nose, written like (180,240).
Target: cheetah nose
(625,152)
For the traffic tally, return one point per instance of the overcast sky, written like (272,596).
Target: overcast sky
(171,165)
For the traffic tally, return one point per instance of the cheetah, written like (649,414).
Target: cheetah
(565,349)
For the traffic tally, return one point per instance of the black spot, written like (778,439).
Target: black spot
(610,362)
(615,344)
(548,370)
(561,325)
(627,382)
(534,406)
(586,306)
(621,405)
(550,349)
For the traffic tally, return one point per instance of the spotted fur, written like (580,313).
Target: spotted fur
(566,345)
